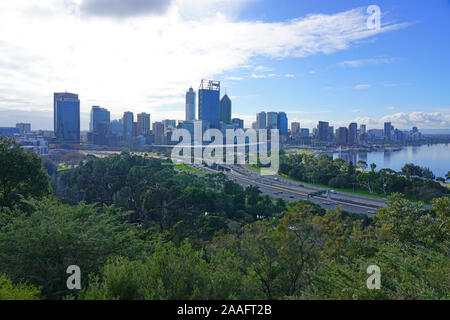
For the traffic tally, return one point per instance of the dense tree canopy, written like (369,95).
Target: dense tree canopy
(140,230)
(413,181)
(21,174)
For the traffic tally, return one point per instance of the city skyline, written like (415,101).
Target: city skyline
(342,75)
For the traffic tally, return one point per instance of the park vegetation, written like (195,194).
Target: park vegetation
(415,182)
(139,229)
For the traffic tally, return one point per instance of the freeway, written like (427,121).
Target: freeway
(277,186)
(292,193)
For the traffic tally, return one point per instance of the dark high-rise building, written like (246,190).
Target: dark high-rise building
(66,117)
(342,136)
(295,128)
(117,127)
(225,109)
(272,120)
(237,123)
(352,134)
(99,125)
(387,131)
(169,124)
(261,120)
(158,133)
(322,128)
(143,124)
(24,127)
(282,123)
(209,102)
(127,126)
(190,104)
(330,133)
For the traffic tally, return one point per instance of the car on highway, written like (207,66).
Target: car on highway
(371,212)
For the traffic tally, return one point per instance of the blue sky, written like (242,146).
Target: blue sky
(408,70)
(269,55)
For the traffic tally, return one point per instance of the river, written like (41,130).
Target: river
(435,156)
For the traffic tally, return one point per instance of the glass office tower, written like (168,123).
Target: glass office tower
(127,126)
(66,117)
(209,102)
(225,109)
(282,123)
(100,125)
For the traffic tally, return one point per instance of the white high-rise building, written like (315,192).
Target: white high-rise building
(190,104)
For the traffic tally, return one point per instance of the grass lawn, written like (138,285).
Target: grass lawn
(307,151)
(254,167)
(183,167)
(357,191)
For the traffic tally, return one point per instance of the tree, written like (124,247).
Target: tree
(253,194)
(21,174)
(447,175)
(20,291)
(362,165)
(39,246)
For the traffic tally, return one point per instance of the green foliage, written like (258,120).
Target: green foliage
(338,174)
(171,272)
(38,247)
(21,174)
(21,291)
(140,230)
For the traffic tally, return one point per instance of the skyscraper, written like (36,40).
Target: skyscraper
(322,128)
(352,133)
(24,127)
(158,133)
(66,117)
(127,125)
(295,128)
(282,123)
(342,136)
(190,104)
(209,102)
(363,129)
(272,120)
(225,109)
(99,125)
(387,131)
(143,124)
(237,123)
(169,124)
(261,120)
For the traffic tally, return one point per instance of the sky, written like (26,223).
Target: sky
(314,60)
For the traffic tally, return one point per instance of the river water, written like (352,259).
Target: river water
(435,156)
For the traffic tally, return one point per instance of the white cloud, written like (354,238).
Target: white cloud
(362,86)
(146,62)
(234,78)
(405,120)
(262,68)
(289,75)
(356,110)
(390,108)
(363,62)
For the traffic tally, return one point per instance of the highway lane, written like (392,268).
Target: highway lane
(283,188)
(294,195)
